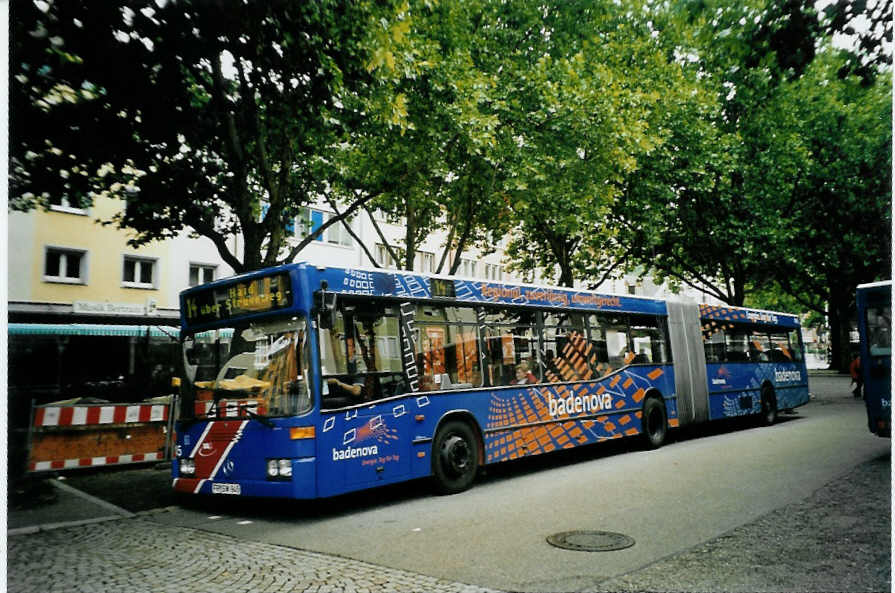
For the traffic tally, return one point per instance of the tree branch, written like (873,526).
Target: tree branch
(347,227)
(359,203)
(379,232)
(220,242)
(452,224)
(232,134)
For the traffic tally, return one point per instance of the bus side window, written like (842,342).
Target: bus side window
(879,329)
(564,333)
(648,335)
(610,334)
(714,346)
(448,347)
(508,338)
(759,348)
(780,350)
(736,346)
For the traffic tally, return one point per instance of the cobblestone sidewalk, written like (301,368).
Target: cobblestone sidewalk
(138,555)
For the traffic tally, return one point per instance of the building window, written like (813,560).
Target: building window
(309,220)
(65,265)
(69,206)
(425,261)
(467,268)
(385,260)
(200,274)
(493,272)
(139,272)
(337,234)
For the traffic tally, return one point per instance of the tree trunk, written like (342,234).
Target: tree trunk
(566,278)
(410,238)
(839,331)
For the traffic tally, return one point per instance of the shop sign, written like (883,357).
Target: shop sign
(104,308)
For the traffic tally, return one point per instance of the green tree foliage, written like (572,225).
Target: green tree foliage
(577,83)
(220,117)
(783,182)
(837,225)
(446,181)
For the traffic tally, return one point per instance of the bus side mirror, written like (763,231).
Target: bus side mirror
(326,310)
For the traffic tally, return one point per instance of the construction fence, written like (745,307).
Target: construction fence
(72,435)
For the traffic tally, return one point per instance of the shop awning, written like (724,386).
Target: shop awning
(92,329)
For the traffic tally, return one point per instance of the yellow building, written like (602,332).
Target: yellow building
(89,315)
(65,262)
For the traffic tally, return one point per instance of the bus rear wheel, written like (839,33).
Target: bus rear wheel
(768,406)
(455,457)
(655,423)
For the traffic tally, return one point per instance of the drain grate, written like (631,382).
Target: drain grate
(590,541)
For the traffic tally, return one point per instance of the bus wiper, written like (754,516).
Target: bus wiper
(260,418)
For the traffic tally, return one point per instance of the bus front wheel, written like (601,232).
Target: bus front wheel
(455,457)
(655,423)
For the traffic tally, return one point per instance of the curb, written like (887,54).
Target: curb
(120,513)
(97,501)
(50,526)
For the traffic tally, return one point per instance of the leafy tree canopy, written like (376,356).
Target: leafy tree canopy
(221,117)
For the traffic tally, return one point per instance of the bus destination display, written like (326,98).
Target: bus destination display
(442,288)
(251,296)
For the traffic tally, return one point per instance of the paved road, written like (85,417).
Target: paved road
(494,535)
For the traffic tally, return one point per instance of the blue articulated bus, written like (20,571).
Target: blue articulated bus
(875,330)
(305,382)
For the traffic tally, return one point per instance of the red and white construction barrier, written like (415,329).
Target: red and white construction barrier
(82,415)
(40,466)
(70,436)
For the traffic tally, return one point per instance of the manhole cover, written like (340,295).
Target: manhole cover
(590,541)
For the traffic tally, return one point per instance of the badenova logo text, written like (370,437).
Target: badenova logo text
(785,376)
(340,454)
(579,404)
(763,317)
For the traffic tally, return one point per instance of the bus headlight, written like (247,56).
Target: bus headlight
(187,467)
(279,469)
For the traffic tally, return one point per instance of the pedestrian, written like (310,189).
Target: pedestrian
(524,374)
(856,377)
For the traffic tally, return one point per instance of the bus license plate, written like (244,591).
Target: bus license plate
(225,489)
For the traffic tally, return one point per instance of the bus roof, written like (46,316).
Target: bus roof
(880,284)
(744,315)
(402,284)
(407,285)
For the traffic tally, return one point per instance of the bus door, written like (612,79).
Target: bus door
(365,437)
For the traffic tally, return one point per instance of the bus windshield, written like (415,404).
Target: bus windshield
(248,368)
